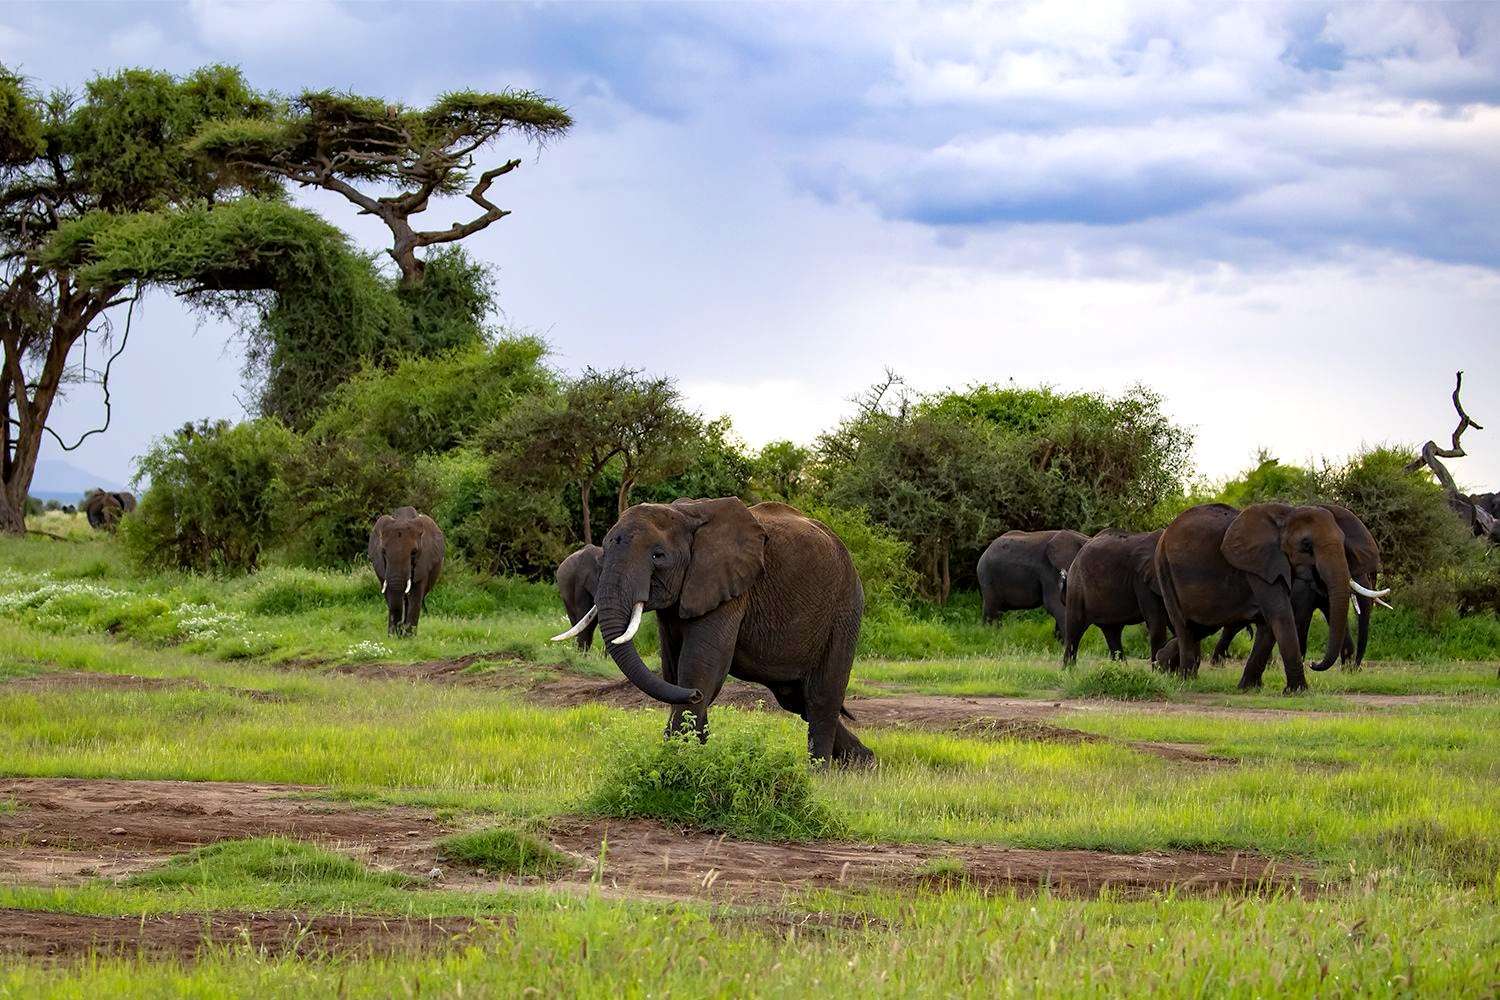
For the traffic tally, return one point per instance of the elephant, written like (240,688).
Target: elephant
(406,551)
(1220,566)
(763,593)
(1028,569)
(1309,595)
(104,508)
(577,581)
(1111,584)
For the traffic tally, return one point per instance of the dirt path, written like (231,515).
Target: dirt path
(646,857)
(43,934)
(66,830)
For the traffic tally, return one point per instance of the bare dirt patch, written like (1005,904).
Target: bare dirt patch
(69,680)
(66,830)
(655,859)
(47,935)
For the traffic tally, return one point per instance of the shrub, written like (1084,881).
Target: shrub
(1115,680)
(1270,480)
(277,860)
(735,783)
(332,490)
(210,505)
(505,851)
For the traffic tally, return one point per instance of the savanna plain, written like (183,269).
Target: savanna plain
(245,787)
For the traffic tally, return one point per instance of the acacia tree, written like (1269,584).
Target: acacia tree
(614,419)
(357,146)
(91,161)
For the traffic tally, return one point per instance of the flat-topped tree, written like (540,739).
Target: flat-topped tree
(93,160)
(360,146)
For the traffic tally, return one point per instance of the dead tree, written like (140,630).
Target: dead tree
(1466,505)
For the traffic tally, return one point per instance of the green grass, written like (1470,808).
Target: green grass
(507,852)
(737,782)
(1399,803)
(276,860)
(1121,682)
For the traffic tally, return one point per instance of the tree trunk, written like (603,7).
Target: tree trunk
(585,490)
(947,581)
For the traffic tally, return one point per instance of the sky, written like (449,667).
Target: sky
(1284,218)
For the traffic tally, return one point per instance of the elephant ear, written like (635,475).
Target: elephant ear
(1253,542)
(430,551)
(1360,548)
(729,547)
(1062,548)
(377,558)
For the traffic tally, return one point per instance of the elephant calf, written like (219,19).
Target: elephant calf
(1028,569)
(1111,584)
(577,582)
(763,593)
(406,551)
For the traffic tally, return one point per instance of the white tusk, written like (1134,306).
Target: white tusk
(1383,604)
(583,623)
(383,585)
(1366,591)
(635,623)
(408,585)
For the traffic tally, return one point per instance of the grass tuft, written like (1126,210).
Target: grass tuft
(1115,680)
(276,860)
(506,851)
(735,783)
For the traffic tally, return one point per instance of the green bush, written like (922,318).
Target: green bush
(1115,680)
(332,490)
(506,852)
(210,505)
(277,860)
(735,783)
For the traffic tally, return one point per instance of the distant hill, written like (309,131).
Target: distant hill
(66,482)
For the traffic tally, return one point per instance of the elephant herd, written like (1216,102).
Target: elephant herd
(768,595)
(1213,569)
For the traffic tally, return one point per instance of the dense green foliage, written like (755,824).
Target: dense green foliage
(210,506)
(735,783)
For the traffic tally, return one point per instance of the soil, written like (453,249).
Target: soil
(66,830)
(645,857)
(48,935)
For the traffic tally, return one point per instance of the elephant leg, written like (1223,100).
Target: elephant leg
(828,739)
(1154,618)
(1276,608)
(1052,600)
(1112,634)
(1073,632)
(1187,643)
(1260,655)
(1221,648)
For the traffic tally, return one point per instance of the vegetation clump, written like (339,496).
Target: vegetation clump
(736,783)
(1120,682)
(508,852)
(277,860)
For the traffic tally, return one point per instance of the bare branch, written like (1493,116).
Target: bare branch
(492,212)
(104,381)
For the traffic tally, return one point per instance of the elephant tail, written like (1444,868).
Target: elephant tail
(847,714)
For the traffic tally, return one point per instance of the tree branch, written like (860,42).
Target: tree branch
(104,381)
(1477,516)
(492,212)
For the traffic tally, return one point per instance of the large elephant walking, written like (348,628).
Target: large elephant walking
(1219,566)
(1309,594)
(104,508)
(406,551)
(1028,569)
(762,593)
(1111,584)
(577,582)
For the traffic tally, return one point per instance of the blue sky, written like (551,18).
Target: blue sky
(1286,218)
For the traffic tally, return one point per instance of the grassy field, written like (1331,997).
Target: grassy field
(1383,783)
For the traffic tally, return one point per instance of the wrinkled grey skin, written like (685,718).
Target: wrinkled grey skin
(1027,569)
(1111,584)
(406,552)
(577,582)
(104,509)
(763,593)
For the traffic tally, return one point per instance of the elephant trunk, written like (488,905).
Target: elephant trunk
(615,614)
(1333,567)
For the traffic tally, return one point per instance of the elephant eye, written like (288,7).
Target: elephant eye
(658,555)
